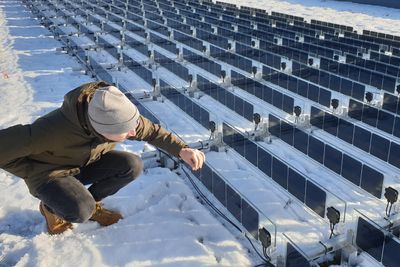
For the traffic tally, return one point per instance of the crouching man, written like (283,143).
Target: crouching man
(72,146)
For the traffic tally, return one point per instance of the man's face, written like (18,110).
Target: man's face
(120,137)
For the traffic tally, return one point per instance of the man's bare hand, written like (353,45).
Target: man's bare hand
(194,157)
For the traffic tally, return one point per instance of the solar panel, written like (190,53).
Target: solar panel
(369,239)
(198,113)
(233,102)
(250,219)
(294,258)
(280,172)
(333,159)
(380,147)
(297,185)
(391,256)
(202,62)
(362,138)
(391,103)
(234,203)
(315,198)
(316,149)
(219,189)
(264,161)
(171,65)
(164,43)
(372,181)
(351,169)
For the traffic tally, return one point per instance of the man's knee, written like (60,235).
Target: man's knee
(68,198)
(80,211)
(135,165)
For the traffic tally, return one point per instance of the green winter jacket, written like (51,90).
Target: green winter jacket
(62,141)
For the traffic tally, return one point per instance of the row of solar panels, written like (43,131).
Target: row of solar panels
(291,33)
(359,94)
(334,83)
(184,75)
(248,40)
(300,197)
(276,98)
(248,36)
(327,27)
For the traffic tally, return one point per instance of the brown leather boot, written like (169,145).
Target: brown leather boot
(55,225)
(104,216)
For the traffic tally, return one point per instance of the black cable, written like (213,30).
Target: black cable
(388,205)
(332,227)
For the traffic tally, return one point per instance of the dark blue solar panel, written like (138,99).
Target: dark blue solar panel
(331,123)
(251,152)
(346,87)
(316,149)
(351,170)
(302,88)
(380,147)
(287,133)
(172,66)
(317,117)
(250,219)
(394,153)
(207,177)
(274,125)
(324,97)
(315,198)
(264,162)
(369,239)
(333,159)
(391,255)
(219,189)
(313,92)
(362,138)
(301,141)
(294,258)
(385,121)
(297,185)
(372,181)
(277,99)
(288,104)
(396,129)
(234,203)
(370,115)
(390,103)
(346,131)
(248,110)
(280,172)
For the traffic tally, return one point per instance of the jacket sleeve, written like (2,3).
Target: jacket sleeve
(158,136)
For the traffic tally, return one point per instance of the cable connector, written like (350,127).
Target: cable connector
(391,196)
(333,217)
(265,237)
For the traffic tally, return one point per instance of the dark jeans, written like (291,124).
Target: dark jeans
(68,198)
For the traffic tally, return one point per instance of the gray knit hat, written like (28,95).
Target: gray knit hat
(111,112)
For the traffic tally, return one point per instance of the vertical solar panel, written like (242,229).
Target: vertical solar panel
(192,109)
(369,239)
(306,191)
(294,258)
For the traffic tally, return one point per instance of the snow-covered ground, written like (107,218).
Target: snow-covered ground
(164,224)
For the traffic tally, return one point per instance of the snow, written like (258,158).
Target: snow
(164,223)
